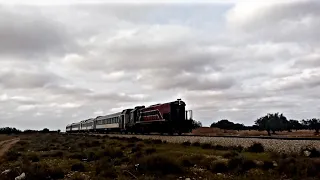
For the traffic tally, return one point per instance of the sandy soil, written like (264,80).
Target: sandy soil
(6,145)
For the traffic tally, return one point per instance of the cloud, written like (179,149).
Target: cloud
(25,107)
(64,63)
(286,21)
(26,79)
(27,32)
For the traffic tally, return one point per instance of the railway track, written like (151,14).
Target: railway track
(228,136)
(275,144)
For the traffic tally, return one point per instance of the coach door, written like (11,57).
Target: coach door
(122,123)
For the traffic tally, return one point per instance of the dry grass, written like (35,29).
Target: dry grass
(54,156)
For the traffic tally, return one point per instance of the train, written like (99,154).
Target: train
(170,117)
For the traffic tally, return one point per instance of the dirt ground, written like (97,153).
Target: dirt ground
(220,132)
(6,145)
(4,137)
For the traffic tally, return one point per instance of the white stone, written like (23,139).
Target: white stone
(306,153)
(6,171)
(21,177)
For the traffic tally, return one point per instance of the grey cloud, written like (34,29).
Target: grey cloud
(4,98)
(26,32)
(278,21)
(190,81)
(66,89)
(308,61)
(16,79)
(115,97)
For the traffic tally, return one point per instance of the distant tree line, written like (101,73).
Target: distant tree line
(272,123)
(11,130)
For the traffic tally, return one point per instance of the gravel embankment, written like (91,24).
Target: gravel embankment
(287,146)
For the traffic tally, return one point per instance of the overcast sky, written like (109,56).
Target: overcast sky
(64,62)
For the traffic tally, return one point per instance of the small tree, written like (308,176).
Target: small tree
(45,130)
(294,124)
(196,124)
(313,124)
(227,125)
(272,122)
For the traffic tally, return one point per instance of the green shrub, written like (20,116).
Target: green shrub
(219,147)
(186,143)
(299,167)
(206,146)
(58,154)
(159,164)
(235,163)
(156,141)
(147,141)
(12,155)
(267,165)
(237,148)
(78,167)
(136,148)
(113,153)
(207,162)
(133,139)
(256,147)
(78,176)
(248,164)
(219,167)
(92,156)
(231,154)
(240,164)
(310,152)
(34,157)
(150,150)
(130,145)
(197,144)
(40,170)
(78,156)
(56,172)
(189,161)
(105,168)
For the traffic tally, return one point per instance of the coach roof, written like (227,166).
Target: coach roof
(108,116)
